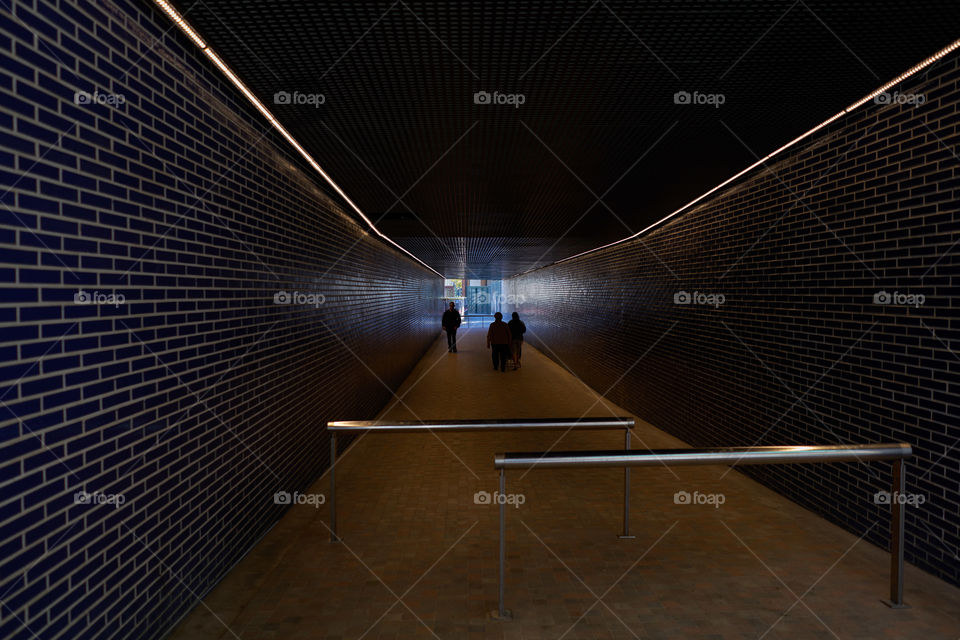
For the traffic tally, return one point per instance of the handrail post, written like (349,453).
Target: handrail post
(626,491)
(502,613)
(897,522)
(503,538)
(333,487)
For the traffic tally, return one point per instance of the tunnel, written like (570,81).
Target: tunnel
(499,319)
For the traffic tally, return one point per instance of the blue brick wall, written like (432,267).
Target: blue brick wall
(143,357)
(799,352)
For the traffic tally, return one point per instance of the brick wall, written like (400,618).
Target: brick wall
(799,352)
(194,397)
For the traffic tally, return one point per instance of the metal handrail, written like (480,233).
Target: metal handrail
(725,455)
(481,425)
(733,456)
(506,424)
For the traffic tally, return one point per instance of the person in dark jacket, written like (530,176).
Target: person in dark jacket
(517,329)
(498,336)
(451,322)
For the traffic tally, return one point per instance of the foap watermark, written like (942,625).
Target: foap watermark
(98,497)
(298,297)
(899,299)
(916,99)
(285,497)
(299,98)
(685,97)
(685,497)
(481,297)
(912,499)
(98,297)
(98,97)
(511,299)
(699,297)
(498,97)
(485,297)
(485,497)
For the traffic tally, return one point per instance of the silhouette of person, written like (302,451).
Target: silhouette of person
(498,336)
(517,329)
(450,323)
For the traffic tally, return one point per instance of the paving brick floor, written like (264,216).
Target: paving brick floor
(419,556)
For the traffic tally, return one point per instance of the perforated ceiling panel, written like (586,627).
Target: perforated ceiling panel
(600,146)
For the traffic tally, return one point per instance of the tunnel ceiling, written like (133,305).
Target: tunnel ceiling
(598,149)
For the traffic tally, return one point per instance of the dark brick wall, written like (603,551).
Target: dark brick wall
(197,397)
(798,353)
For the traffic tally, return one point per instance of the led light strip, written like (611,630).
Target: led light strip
(190,33)
(903,76)
(197,40)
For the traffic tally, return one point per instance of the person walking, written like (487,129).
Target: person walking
(517,329)
(451,322)
(498,336)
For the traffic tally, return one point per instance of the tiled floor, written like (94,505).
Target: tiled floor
(419,557)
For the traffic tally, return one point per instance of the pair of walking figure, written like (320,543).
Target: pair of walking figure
(505,339)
